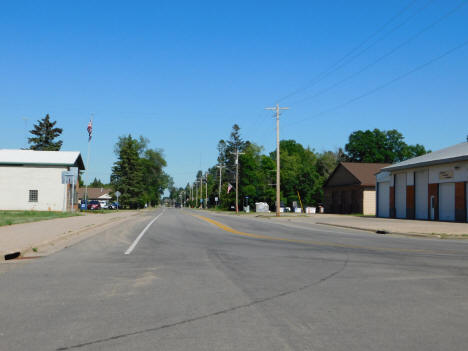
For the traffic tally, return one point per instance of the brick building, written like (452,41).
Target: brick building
(351,188)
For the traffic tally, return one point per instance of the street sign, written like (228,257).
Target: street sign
(68,177)
(117,194)
(74,170)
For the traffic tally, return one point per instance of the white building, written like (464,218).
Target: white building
(32,180)
(432,186)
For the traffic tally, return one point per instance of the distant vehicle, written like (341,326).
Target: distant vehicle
(104,204)
(177,205)
(94,205)
(113,206)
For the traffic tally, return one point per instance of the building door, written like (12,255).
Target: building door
(383,199)
(421,192)
(400,195)
(447,201)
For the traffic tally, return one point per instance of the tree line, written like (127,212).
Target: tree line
(303,170)
(138,174)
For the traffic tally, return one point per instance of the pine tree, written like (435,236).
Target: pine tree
(44,135)
(127,172)
(96,183)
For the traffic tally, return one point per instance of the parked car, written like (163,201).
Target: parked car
(113,206)
(94,205)
(104,204)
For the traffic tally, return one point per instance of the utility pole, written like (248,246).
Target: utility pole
(206,190)
(196,193)
(278,200)
(220,177)
(201,189)
(237,179)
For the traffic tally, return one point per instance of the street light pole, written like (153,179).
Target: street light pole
(278,199)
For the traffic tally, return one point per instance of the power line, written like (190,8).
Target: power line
(386,84)
(389,53)
(342,61)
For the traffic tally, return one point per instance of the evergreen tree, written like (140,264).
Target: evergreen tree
(44,134)
(96,183)
(128,172)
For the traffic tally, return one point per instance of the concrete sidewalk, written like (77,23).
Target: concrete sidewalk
(385,225)
(26,236)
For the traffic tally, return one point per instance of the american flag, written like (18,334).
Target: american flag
(90,130)
(229,188)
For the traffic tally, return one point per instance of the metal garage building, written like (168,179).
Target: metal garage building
(32,180)
(432,186)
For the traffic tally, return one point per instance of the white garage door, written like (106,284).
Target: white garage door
(400,195)
(447,201)
(421,192)
(384,199)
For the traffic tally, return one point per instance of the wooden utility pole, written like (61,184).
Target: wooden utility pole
(201,189)
(220,177)
(206,190)
(237,179)
(278,199)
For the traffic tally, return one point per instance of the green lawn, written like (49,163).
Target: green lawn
(15,217)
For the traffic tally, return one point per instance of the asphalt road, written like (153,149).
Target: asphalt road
(202,281)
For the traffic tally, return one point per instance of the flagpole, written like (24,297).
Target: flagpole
(87,164)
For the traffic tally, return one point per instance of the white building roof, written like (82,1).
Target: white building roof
(455,153)
(50,158)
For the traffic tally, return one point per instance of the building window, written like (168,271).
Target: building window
(33,195)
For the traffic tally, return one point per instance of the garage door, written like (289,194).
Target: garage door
(421,192)
(447,201)
(400,195)
(384,199)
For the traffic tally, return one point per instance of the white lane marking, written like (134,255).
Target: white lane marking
(134,244)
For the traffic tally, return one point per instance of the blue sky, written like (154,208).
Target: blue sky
(182,73)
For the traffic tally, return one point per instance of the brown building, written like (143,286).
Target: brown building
(351,188)
(100,194)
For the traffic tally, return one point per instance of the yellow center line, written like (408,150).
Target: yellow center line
(308,242)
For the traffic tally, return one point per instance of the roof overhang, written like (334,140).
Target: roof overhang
(398,167)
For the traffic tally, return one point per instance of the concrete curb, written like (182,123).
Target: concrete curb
(21,252)
(414,235)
